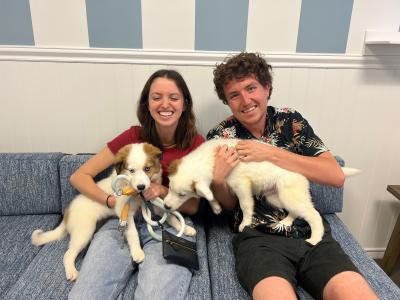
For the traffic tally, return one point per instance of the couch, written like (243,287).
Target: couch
(34,190)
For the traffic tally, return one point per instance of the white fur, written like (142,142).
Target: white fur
(82,214)
(284,189)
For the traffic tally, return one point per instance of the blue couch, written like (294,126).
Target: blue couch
(34,190)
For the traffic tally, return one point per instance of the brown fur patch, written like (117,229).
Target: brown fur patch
(153,159)
(66,216)
(120,158)
(173,166)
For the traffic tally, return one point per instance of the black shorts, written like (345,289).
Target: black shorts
(259,255)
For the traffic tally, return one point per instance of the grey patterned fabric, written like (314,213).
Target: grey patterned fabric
(377,278)
(29,183)
(16,250)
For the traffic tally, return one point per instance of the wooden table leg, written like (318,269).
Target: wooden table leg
(392,250)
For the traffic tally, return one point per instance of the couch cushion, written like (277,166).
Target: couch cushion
(68,165)
(29,183)
(16,250)
(377,278)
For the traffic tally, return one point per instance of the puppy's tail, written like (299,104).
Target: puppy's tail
(39,237)
(350,171)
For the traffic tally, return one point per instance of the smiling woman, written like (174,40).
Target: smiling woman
(167,122)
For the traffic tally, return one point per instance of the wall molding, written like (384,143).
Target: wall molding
(190,58)
(375,253)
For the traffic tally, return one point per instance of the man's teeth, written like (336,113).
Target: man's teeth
(249,109)
(166,113)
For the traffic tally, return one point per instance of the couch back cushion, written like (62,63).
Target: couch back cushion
(29,183)
(68,165)
(327,199)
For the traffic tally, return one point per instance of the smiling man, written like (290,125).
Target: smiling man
(272,259)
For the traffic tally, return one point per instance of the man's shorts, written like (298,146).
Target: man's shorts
(260,255)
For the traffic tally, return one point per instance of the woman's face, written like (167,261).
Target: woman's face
(166,103)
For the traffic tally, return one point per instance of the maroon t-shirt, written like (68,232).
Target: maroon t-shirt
(131,136)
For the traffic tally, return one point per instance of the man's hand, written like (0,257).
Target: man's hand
(226,158)
(250,150)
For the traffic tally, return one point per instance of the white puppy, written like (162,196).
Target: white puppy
(141,163)
(191,176)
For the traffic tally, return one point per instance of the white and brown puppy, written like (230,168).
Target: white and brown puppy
(141,163)
(191,176)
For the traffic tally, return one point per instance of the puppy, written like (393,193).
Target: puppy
(141,163)
(191,176)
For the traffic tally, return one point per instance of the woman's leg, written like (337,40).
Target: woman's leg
(106,267)
(158,278)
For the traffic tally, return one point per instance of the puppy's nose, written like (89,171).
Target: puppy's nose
(141,187)
(167,206)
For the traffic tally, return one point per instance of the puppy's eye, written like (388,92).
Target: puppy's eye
(147,169)
(131,171)
(181,194)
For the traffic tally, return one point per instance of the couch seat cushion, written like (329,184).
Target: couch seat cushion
(16,250)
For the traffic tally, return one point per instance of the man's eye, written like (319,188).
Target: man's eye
(131,171)
(147,169)
(233,97)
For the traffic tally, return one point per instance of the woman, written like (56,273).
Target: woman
(167,121)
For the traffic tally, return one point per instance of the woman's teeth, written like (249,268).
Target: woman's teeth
(249,109)
(165,113)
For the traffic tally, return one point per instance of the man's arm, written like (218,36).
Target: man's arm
(322,169)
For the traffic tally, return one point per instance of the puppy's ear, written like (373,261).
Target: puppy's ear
(203,190)
(120,158)
(152,150)
(173,167)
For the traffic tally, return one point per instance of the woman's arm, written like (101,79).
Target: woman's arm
(83,178)
(322,169)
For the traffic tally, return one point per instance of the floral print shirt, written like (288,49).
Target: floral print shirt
(287,129)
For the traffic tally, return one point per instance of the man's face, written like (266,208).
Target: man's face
(248,100)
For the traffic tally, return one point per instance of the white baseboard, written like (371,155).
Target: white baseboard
(375,253)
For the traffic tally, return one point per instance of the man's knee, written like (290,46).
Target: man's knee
(348,285)
(273,287)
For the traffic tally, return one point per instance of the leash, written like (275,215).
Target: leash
(146,211)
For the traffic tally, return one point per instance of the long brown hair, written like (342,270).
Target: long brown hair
(186,129)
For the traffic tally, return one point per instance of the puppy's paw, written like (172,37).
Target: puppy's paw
(216,208)
(313,241)
(137,255)
(71,274)
(35,237)
(242,226)
(189,231)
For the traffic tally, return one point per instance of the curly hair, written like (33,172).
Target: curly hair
(240,66)
(186,130)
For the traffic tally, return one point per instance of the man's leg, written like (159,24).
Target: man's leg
(348,285)
(273,288)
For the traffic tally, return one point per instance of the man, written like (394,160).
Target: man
(272,259)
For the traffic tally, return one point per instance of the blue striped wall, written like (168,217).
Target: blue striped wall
(220,25)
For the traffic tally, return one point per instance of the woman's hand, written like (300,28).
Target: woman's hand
(250,150)
(155,190)
(226,158)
